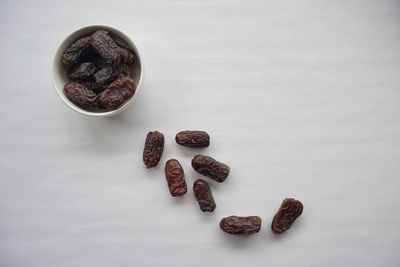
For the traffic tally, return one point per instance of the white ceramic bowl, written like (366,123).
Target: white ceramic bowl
(59,69)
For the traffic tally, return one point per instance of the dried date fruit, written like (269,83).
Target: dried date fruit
(128,55)
(109,50)
(193,138)
(106,75)
(203,195)
(76,50)
(79,94)
(236,225)
(211,168)
(124,70)
(289,211)
(153,149)
(82,72)
(175,178)
(116,94)
(93,86)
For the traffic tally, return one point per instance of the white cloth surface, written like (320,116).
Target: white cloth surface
(301,99)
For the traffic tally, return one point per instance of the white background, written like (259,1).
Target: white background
(301,99)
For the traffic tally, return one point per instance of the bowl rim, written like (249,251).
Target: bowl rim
(56,60)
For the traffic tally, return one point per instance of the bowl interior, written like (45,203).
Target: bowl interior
(59,69)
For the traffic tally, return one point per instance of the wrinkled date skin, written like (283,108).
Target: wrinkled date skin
(105,75)
(211,168)
(82,72)
(203,195)
(289,211)
(193,138)
(77,50)
(236,225)
(93,86)
(124,70)
(153,149)
(116,94)
(108,74)
(175,178)
(79,94)
(109,50)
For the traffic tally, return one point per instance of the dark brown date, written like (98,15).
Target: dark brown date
(116,94)
(241,225)
(82,72)
(109,50)
(175,178)
(76,50)
(153,149)
(193,138)
(106,75)
(123,70)
(289,211)
(93,86)
(211,168)
(79,94)
(203,195)
(128,55)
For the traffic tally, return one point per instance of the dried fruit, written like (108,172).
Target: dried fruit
(108,74)
(76,50)
(175,178)
(109,50)
(203,195)
(128,55)
(289,211)
(79,94)
(153,149)
(211,168)
(116,94)
(241,225)
(105,75)
(124,70)
(82,72)
(193,138)
(93,86)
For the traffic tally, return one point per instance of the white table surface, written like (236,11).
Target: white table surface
(301,99)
